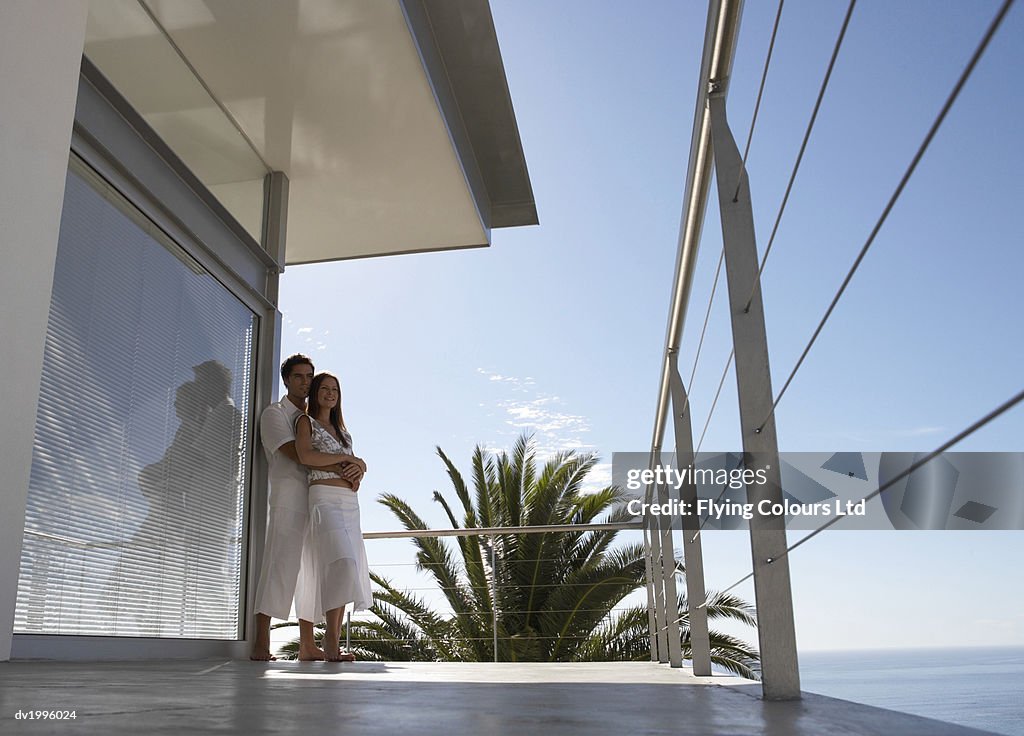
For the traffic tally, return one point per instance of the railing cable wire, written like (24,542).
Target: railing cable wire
(998,411)
(800,155)
(782,206)
(760,92)
(743,165)
(703,330)
(964,76)
(714,403)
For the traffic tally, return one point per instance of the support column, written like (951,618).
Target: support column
(41,44)
(268,358)
(693,556)
(776,631)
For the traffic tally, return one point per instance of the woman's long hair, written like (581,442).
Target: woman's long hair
(337,420)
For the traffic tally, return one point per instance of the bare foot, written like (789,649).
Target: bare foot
(339,656)
(261,645)
(313,654)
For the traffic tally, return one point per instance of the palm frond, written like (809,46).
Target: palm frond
(435,557)
(460,490)
(484,484)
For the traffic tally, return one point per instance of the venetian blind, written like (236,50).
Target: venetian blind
(134,511)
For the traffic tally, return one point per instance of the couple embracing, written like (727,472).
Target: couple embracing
(314,550)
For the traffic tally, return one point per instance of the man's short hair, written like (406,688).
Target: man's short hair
(289,365)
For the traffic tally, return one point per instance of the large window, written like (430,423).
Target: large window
(134,517)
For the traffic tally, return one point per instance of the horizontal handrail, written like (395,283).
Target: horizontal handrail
(715,68)
(492,530)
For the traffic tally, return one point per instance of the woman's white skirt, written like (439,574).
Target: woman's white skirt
(337,573)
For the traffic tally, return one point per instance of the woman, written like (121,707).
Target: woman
(336,541)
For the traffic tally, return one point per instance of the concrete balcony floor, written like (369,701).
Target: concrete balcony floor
(184,697)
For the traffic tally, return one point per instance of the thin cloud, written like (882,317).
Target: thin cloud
(541,415)
(599,478)
(919,431)
(872,437)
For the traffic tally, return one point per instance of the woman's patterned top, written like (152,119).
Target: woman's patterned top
(323,441)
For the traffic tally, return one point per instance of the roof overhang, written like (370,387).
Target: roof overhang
(391,118)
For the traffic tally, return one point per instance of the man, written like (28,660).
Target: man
(289,513)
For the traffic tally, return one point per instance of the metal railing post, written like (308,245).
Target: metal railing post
(673,643)
(772,590)
(652,625)
(494,595)
(658,583)
(693,556)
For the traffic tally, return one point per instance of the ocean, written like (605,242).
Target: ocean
(981,688)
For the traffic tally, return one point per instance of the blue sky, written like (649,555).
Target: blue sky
(559,329)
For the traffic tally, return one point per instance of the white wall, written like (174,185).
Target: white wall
(41,44)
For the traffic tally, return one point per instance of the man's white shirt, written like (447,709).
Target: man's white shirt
(288,485)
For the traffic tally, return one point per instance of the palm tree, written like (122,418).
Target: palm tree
(557,594)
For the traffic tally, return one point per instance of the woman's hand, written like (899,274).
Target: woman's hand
(356,461)
(351,472)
